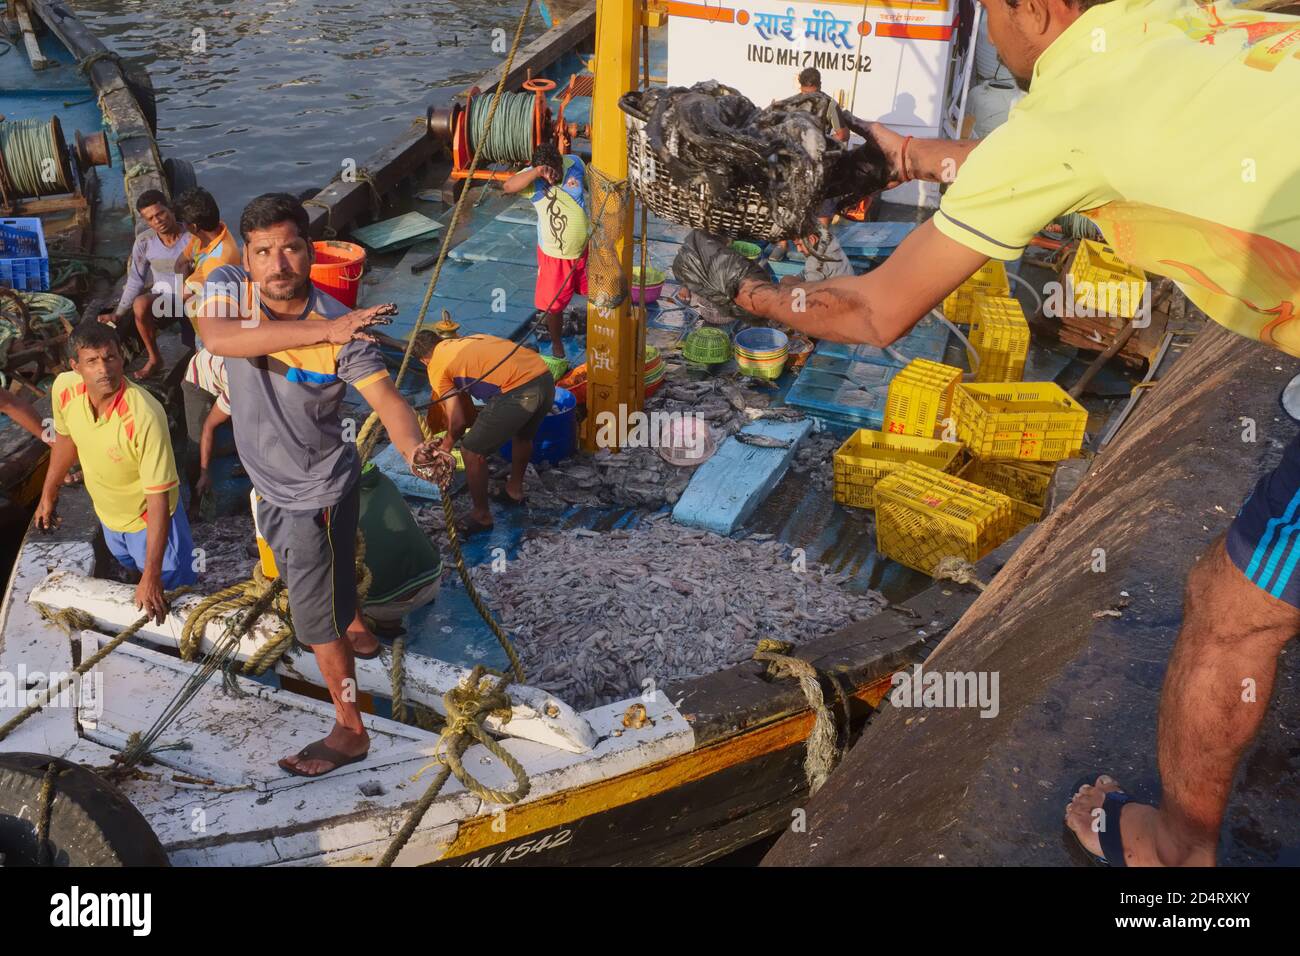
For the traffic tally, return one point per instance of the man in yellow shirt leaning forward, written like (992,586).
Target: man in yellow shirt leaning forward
(1164,122)
(119,431)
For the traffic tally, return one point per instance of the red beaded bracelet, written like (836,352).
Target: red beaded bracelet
(903,160)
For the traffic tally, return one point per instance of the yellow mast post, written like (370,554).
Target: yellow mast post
(615,339)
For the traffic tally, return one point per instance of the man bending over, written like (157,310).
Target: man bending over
(1207,197)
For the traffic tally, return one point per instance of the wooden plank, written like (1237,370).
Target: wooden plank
(397,233)
(135,141)
(726,489)
(38,59)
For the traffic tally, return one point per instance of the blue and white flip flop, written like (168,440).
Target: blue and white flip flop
(1112,844)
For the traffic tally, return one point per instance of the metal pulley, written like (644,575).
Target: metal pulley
(35,159)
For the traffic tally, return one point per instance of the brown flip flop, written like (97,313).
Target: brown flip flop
(320,750)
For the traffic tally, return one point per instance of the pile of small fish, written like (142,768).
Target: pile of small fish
(816,459)
(594,615)
(640,477)
(227,548)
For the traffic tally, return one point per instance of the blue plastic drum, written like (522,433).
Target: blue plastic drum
(557,438)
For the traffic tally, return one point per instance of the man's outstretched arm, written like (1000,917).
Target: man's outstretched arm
(932,160)
(225,334)
(397,416)
(876,308)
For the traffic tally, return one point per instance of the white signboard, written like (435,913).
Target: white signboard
(883,60)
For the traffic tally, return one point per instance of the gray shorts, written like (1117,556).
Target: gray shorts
(517,413)
(316,554)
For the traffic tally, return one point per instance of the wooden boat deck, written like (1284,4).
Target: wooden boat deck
(1079,692)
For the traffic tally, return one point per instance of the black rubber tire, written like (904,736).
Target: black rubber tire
(91,822)
(180,176)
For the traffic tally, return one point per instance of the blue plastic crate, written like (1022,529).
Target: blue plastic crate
(24,262)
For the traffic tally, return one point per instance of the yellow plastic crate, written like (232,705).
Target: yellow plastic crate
(1000,336)
(1029,421)
(924,516)
(1026,483)
(1102,284)
(991,278)
(867,456)
(920,398)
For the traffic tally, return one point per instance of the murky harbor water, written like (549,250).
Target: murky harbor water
(276,95)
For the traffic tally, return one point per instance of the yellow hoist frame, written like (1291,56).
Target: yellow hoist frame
(615,336)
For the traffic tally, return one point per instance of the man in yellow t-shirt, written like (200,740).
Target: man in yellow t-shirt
(119,432)
(1168,123)
(518,390)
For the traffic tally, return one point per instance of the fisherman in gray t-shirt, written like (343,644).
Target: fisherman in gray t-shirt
(291,352)
(154,279)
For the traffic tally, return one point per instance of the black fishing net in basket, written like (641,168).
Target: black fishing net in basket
(707,157)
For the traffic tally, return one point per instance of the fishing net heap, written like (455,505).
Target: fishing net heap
(593,615)
(711,133)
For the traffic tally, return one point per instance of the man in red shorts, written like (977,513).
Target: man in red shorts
(558,185)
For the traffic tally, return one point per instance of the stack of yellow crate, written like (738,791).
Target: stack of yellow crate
(991,279)
(867,456)
(924,515)
(1000,336)
(920,398)
(1103,285)
(1009,435)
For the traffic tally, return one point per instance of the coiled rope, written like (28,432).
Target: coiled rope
(467,705)
(27,150)
(509,137)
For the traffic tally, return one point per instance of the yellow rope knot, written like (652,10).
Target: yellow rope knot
(958,570)
(69,619)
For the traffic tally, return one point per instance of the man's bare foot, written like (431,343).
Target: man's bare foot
(340,747)
(1146,842)
(147,369)
(363,641)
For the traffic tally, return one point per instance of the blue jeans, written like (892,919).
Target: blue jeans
(178,560)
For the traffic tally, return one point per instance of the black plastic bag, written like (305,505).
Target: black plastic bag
(713,270)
